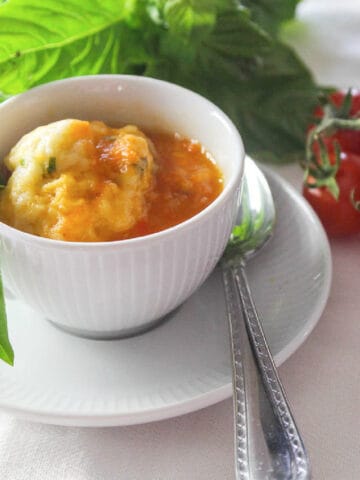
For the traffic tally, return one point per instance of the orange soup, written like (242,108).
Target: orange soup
(75,180)
(187,181)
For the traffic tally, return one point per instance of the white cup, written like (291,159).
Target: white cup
(110,289)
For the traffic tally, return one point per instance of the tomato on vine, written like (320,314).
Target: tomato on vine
(346,108)
(332,176)
(336,99)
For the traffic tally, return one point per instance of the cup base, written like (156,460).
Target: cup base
(112,334)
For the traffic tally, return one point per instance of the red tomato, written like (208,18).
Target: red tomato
(349,140)
(339,217)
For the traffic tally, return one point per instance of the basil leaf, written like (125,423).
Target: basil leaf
(32,26)
(260,82)
(6,351)
(271,14)
(41,41)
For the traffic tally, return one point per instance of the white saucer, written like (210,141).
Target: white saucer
(184,363)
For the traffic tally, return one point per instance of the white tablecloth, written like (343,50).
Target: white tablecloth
(322,378)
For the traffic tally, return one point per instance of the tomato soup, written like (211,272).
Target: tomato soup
(75,180)
(186,182)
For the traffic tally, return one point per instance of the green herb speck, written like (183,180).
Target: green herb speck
(2,182)
(51,166)
(141,165)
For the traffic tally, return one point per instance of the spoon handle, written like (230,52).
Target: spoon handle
(267,442)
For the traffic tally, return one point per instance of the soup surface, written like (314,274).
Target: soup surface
(84,181)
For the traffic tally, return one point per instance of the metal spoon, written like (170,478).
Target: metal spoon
(267,442)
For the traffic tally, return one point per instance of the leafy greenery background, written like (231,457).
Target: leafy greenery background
(227,50)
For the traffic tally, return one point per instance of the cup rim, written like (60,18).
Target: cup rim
(233,183)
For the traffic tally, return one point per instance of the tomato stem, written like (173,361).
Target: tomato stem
(323,171)
(331,124)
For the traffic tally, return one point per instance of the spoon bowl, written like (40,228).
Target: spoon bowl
(256,216)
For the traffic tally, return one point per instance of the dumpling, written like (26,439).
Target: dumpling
(78,181)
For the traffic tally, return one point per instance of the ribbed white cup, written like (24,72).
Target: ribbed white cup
(118,288)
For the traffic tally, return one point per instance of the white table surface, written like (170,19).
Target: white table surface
(322,378)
